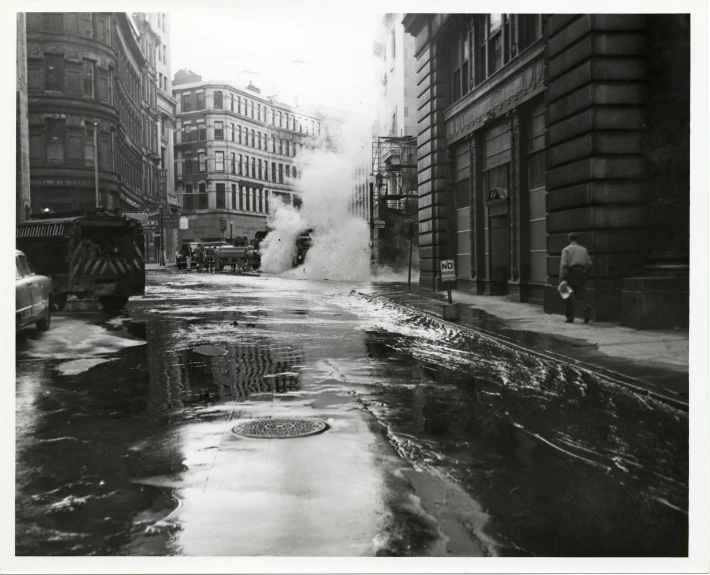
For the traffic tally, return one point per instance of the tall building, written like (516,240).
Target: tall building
(22,168)
(532,127)
(94,118)
(234,153)
(394,147)
(155,44)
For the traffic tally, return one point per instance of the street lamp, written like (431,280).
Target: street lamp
(95,123)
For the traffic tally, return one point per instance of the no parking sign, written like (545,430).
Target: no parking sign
(448,272)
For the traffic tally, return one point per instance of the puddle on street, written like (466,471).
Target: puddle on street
(561,462)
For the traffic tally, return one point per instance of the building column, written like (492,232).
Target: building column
(515,263)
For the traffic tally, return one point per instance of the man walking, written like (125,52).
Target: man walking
(209,259)
(574,266)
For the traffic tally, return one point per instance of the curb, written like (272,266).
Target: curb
(636,385)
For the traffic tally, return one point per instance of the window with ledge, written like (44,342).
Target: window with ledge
(54,72)
(53,22)
(219,130)
(234,196)
(55,141)
(221,196)
(219,161)
(529,29)
(233,163)
(186,103)
(218,99)
(188,199)
(201,132)
(201,162)
(200,101)
(202,197)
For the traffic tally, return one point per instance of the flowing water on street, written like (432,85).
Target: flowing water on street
(440,441)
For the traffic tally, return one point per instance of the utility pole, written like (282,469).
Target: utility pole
(372,223)
(162,245)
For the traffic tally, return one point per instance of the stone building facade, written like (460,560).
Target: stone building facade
(234,154)
(531,127)
(22,161)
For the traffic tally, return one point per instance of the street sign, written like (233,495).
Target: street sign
(184,223)
(171,221)
(448,272)
(222,225)
(163,179)
(379,225)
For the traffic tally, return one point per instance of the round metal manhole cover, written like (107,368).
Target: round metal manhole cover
(279,428)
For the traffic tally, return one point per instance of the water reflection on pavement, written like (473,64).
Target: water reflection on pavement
(439,442)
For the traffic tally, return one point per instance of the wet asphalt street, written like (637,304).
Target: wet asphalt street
(438,442)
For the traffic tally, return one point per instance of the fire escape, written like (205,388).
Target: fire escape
(394,165)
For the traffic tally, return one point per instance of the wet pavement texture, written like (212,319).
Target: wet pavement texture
(437,441)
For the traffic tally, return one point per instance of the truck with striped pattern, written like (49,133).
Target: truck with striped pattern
(91,255)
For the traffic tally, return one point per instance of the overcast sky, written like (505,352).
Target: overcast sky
(334,51)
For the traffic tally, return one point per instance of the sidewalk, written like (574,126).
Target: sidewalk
(656,360)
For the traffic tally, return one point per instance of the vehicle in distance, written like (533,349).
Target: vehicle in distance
(33,295)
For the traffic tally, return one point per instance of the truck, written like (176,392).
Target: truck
(93,254)
(232,255)
(303,244)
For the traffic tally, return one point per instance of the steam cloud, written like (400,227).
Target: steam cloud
(340,244)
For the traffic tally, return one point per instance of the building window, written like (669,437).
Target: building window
(253,168)
(188,201)
(293,172)
(202,197)
(165,57)
(266,201)
(88,77)
(53,22)
(529,29)
(54,72)
(219,130)
(241,198)
(261,200)
(201,163)
(230,136)
(459,56)
(260,171)
(221,196)
(219,161)
(201,132)
(231,102)
(281,147)
(281,173)
(234,197)
(246,166)
(200,101)
(240,165)
(186,103)
(251,139)
(288,171)
(55,140)
(273,171)
(218,99)
(233,163)
(259,140)
(239,134)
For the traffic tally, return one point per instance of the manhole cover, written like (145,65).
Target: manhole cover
(279,428)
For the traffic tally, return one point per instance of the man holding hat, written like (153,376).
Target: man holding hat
(574,265)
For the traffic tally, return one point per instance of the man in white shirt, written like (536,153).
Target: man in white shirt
(574,265)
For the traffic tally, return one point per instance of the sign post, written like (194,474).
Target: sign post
(448,275)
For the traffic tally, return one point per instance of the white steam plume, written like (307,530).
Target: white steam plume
(340,244)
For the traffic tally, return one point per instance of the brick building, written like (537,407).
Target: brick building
(234,152)
(531,127)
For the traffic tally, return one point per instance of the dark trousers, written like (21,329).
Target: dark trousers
(576,280)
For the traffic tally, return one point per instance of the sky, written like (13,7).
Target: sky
(322,59)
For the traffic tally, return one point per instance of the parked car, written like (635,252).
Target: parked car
(33,295)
